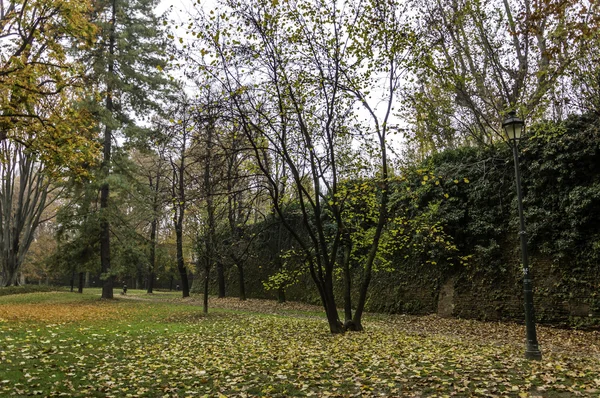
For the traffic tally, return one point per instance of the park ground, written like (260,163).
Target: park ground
(69,344)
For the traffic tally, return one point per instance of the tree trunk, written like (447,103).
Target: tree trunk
(185,286)
(210,238)
(362,298)
(11,277)
(281,295)
(347,283)
(153,233)
(335,326)
(151,275)
(221,279)
(107,287)
(240,268)
(206,281)
(87,279)
(81,282)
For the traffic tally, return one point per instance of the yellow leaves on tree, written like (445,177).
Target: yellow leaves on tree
(41,86)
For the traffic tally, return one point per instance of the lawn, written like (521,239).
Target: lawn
(67,344)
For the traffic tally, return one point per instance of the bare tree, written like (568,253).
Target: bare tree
(497,56)
(23,197)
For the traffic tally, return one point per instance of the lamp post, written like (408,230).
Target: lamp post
(513,127)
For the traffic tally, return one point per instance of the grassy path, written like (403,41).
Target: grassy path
(65,344)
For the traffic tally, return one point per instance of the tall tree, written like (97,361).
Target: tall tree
(153,166)
(292,108)
(127,64)
(181,131)
(296,74)
(380,43)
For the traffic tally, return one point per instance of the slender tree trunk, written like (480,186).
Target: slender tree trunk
(221,279)
(211,252)
(281,295)
(185,286)
(335,326)
(107,287)
(347,284)
(81,282)
(178,217)
(153,230)
(362,298)
(87,279)
(242,282)
(152,266)
(206,283)
(72,282)
(210,238)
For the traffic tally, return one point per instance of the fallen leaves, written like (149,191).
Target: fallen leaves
(146,349)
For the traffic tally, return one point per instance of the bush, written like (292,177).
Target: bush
(6,291)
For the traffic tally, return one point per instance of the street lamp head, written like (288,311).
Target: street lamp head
(513,126)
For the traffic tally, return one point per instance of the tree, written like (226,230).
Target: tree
(380,43)
(153,165)
(584,77)
(23,198)
(493,57)
(181,131)
(241,196)
(295,74)
(292,115)
(127,63)
(41,86)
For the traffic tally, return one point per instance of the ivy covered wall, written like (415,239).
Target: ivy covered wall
(452,245)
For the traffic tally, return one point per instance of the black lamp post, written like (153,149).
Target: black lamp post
(513,127)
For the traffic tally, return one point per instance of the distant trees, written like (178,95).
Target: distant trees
(45,131)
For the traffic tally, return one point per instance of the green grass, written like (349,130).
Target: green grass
(67,344)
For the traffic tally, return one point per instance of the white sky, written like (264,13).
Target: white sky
(181,10)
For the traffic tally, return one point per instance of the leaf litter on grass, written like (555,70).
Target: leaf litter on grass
(239,354)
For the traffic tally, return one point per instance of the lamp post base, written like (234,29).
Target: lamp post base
(533,353)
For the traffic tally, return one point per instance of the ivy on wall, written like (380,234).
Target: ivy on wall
(455,216)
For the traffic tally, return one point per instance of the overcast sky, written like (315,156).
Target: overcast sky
(180,14)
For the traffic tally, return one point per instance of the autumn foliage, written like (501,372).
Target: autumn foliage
(71,345)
